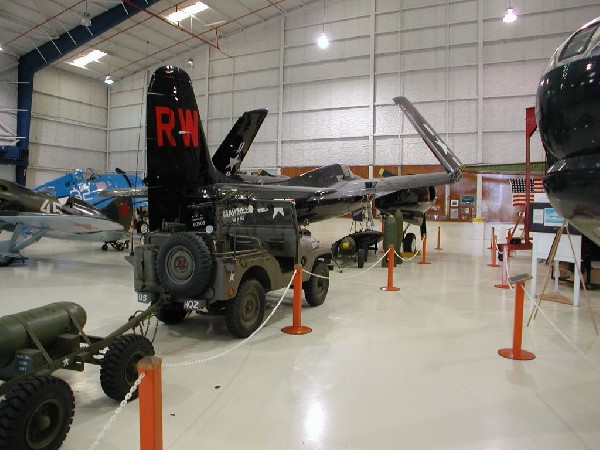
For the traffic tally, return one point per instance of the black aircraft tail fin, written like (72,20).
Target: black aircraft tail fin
(177,152)
(230,154)
(435,143)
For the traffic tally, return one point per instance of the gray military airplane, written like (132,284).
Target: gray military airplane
(31,215)
(181,173)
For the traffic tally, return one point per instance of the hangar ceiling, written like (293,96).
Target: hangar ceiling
(144,39)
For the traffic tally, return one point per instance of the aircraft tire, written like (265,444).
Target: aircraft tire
(118,372)
(36,414)
(184,265)
(245,312)
(409,244)
(171,313)
(316,288)
(6,261)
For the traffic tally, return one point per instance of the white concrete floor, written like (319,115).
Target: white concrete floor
(413,369)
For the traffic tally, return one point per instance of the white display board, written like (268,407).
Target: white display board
(542,242)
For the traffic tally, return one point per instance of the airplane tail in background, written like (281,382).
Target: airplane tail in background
(230,154)
(177,152)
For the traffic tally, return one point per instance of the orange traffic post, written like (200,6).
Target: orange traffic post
(424,255)
(516,352)
(494,248)
(492,238)
(504,284)
(390,272)
(438,241)
(150,403)
(297,327)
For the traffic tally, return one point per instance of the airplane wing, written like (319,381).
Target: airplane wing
(435,143)
(65,223)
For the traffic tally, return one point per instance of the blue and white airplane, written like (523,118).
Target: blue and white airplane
(87,186)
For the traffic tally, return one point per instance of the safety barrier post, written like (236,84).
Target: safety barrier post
(492,238)
(297,327)
(438,241)
(516,352)
(494,248)
(150,403)
(504,284)
(390,272)
(424,255)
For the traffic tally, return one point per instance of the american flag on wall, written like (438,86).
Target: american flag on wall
(517,186)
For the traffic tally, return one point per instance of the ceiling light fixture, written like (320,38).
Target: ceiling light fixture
(86,19)
(108,79)
(323,41)
(186,12)
(190,62)
(510,15)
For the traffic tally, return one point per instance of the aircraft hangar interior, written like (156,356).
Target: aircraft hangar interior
(299,224)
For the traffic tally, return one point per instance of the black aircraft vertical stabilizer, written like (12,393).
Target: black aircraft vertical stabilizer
(233,149)
(178,156)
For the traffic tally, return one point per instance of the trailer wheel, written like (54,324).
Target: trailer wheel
(37,414)
(315,289)
(184,265)
(245,312)
(361,258)
(171,313)
(118,372)
(409,243)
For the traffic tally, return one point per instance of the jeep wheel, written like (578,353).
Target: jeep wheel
(184,265)
(171,313)
(315,289)
(245,312)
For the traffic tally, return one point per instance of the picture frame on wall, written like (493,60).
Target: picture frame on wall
(454,203)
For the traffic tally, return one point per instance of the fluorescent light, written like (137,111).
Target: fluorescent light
(108,80)
(323,42)
(84,60)
(510,15)
(188,11)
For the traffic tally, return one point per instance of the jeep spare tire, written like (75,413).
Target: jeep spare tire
(184,265)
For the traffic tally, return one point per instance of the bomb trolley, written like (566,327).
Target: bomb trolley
(356,246)
(37,409)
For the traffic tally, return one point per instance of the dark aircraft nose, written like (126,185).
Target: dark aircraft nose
(568,108)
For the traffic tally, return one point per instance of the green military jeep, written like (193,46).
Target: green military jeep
(237,250)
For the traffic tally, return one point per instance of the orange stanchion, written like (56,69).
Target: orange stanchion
(390,272)
(150,403)
(438,241)
(494,248)
(424,255)
(516,352)
(492,238)
(297,327)
(504,284)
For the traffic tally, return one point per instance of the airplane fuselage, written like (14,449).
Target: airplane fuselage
(568,115)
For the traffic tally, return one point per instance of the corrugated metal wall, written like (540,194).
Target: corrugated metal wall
(68,125)
(470,74)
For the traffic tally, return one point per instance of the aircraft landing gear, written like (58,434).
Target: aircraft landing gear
(117,245)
